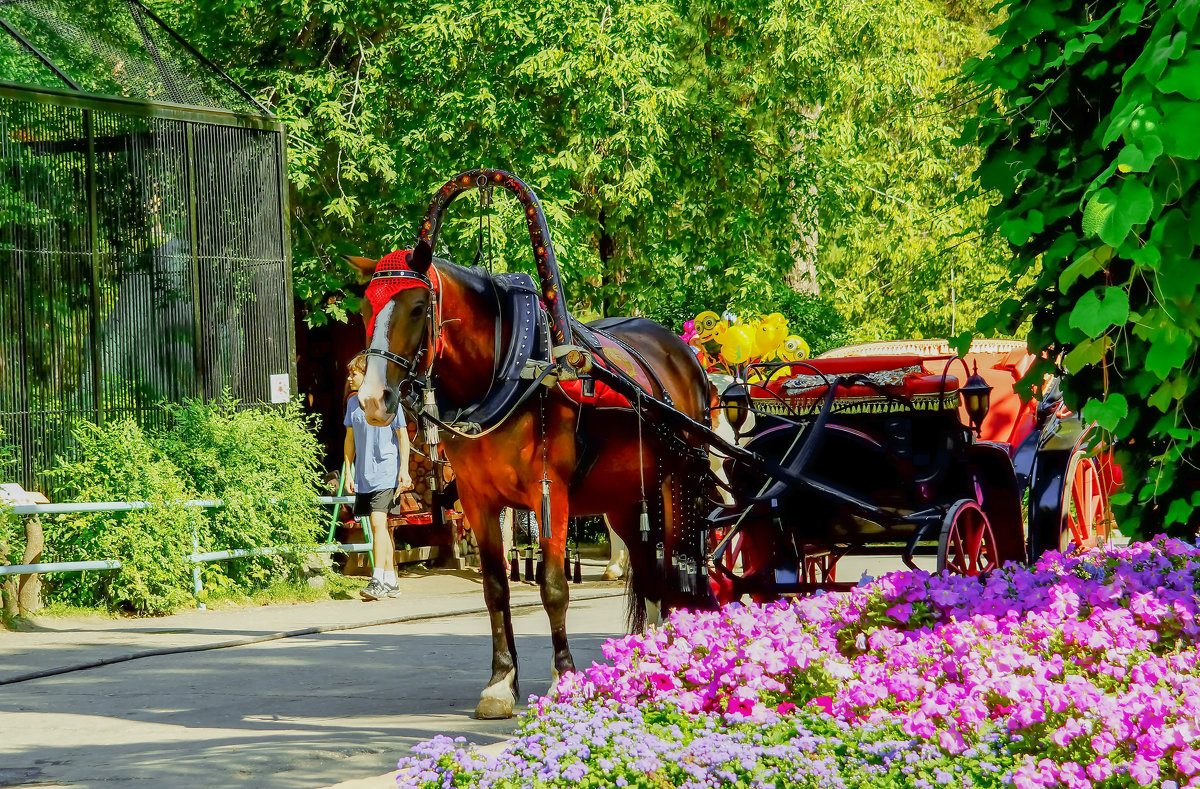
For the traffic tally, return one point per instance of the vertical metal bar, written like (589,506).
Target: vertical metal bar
(94,249)
(285,230)
(193,248)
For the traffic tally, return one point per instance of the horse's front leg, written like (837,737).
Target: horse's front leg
(498,698)
(556,595)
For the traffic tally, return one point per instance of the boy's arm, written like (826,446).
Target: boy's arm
(348,451)
(404,478)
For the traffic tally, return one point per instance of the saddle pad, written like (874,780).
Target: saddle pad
(617,357)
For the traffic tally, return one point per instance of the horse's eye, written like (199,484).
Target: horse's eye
(417,312)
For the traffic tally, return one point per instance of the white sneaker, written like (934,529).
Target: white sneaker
(375,590)
(393,590)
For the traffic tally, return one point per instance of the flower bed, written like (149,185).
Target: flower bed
(1081,671)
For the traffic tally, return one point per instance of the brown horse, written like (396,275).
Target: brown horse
(590,456)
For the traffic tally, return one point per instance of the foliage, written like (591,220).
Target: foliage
(815,319)
(1081,671)
(118,462)
(901,255)
(260,462)
(1094,153)
(680,149)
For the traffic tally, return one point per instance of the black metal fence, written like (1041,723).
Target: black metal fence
(143,241)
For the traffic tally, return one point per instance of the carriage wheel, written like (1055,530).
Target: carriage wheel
(966,545)
(1084,519)
(820,566)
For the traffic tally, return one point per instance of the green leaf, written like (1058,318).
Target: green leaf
(1085,354)
(1094,312)
(1170,349)
(1107,413)
(961,344)
(1181,119)
(1097,211)
(1179,511)
(1186,11)
(1133,207)
(1162,397)
(1183,76)
(1091,262)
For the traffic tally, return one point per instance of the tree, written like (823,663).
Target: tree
(901,253)
(1093,150)
(676,145)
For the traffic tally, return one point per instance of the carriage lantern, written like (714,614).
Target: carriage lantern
(977,398)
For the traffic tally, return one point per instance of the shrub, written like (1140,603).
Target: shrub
(118,462)
(263,463)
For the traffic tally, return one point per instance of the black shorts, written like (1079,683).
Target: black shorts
(374,501)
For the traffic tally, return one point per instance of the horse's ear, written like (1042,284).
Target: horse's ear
(365,266)
(421,258)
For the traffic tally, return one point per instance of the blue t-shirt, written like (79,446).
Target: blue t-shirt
(376,449)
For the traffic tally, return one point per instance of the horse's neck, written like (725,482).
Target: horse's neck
(465,365)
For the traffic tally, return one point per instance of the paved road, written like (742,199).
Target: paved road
(294,713)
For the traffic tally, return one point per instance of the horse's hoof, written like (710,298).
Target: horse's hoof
(490,709)
(612,573)
(496,701)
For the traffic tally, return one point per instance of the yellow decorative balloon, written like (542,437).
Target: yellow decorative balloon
(737,344)
(706,322)
(772,330)
(794,349)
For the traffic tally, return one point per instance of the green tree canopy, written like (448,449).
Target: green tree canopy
(677,146)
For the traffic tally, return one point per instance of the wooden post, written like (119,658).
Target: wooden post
(29,588)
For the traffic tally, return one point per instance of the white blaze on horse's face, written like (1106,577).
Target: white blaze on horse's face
(400,329)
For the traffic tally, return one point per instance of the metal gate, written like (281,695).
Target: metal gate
(144,250)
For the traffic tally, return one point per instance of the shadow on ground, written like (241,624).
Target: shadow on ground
(301,712)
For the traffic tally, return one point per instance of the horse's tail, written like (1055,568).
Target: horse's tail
(635,602)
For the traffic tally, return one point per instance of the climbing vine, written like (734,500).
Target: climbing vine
(1093,143)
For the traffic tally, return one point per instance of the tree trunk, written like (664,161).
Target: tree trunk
(803,276)
(29,589)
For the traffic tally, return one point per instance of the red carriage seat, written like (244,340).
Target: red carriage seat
(902,376)
(1001,363)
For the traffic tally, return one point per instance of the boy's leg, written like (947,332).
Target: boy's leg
(384,551)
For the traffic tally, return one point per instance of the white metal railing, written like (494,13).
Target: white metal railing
(196,558)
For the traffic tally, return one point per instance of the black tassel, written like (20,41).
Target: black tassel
(578,578)
(644,522)
(546,508)
(514,564)
(529,576)
(540,573)
(566,563)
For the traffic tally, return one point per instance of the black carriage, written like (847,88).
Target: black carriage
(900,447)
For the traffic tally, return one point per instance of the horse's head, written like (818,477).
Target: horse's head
(400,296)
